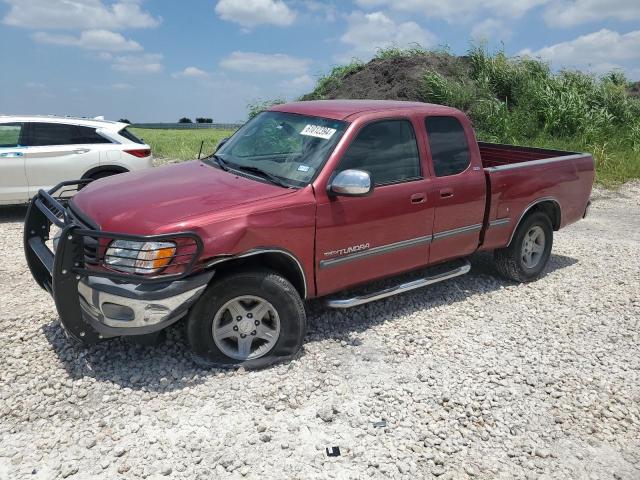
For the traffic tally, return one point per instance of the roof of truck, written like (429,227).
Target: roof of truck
(344,109)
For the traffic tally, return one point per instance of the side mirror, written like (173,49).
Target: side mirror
(221,143)
(351,183)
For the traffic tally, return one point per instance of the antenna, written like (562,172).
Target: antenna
(200,152)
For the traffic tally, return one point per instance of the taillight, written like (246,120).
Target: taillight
(140,153)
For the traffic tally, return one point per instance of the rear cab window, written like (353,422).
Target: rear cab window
(49,134)
(448,144)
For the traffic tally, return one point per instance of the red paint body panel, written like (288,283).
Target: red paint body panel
(233,214)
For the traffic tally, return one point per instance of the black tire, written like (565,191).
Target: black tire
(509,261)
(267,285)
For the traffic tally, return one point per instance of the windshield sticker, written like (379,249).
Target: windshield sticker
(318,131)
(303,168)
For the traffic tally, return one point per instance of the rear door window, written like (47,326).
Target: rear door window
(448,145)
(10,135)
(48,134)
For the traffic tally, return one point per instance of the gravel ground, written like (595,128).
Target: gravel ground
(473,378)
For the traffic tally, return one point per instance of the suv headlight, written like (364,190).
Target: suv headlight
(139,257)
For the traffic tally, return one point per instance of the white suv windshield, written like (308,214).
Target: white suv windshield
(290,147)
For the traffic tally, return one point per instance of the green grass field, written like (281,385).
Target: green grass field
(169,145)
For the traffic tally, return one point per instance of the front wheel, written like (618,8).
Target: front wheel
(249,319)
(528,253)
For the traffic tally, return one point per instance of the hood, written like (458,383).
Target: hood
(144,201)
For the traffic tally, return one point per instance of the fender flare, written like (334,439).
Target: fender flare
(262,251)
(532,205)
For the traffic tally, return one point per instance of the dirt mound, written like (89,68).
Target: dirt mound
(395,78)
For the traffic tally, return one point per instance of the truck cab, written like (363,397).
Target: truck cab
(308,199)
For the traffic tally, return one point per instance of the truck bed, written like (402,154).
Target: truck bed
(520,177)
(499,155)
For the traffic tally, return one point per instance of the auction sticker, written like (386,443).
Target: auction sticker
(318,131)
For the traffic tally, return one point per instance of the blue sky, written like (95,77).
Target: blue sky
(158,60)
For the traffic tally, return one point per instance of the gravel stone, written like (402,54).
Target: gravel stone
(476,377)
(68,470)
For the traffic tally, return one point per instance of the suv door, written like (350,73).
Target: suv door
(388,231)
(58,152)
(460,189)
(13,178)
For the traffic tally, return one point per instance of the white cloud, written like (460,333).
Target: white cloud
(575,12)
(262,62)
(368,32)
(298,84)
(491,29)
(191,72)
(250,13)
(601,46)
(453,11)
(324,11)
(77,14)
(147,63)
(36,85)
(561,13)
(103,40)
(599,51)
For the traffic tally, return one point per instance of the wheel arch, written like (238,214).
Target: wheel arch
(549,206)
(104,168)
(279,260)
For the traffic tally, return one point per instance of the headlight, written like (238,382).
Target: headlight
(139,257)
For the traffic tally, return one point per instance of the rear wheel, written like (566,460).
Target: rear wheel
(249,319)
(528,253)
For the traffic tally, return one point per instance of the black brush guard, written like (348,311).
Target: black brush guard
(60,274)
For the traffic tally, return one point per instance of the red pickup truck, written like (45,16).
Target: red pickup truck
(306,200)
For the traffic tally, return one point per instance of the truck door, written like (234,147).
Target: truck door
(13,178)
(459,188)
(386,232)
(57,152)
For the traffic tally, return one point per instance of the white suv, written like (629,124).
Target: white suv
(40,151)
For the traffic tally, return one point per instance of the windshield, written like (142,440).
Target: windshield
(291,147)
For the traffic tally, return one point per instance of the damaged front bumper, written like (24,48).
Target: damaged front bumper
(94,304)
(115,309)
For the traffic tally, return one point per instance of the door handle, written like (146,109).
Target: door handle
(11,154)
(81,150)
(446,193)
(418,198)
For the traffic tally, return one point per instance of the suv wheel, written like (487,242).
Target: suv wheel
(528,253)
(249,319)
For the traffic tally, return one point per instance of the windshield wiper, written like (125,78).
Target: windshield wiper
(263,173)
(218,161)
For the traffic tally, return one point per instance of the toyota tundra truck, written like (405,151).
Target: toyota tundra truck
(348,201)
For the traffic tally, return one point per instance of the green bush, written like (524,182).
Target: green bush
(520,100)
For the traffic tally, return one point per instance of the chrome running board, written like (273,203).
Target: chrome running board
(403,287)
